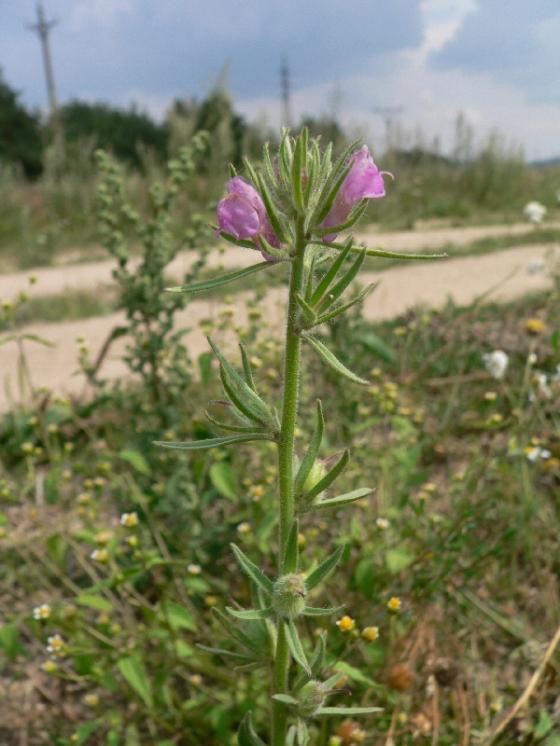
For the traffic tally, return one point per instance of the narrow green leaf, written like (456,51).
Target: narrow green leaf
(223,480)
(291,559)
(243,393)
(234,632)
(339,310)
(247,614)
(91,601)
(225,440)
(355,674)
(345,499)
(177,616)
(135,459)
(339,711)
(312,450)
(375,344)
(302,732)
(312,611)
(296,648)
(329,276)
(334,294)
(327,480)
(133,672)
(332,361)
(216,282)
(324,569)
(404,255)
(224,652)
(251,570)
(227,425)
(246,735)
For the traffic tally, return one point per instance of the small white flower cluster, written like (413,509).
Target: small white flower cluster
(42,612)
(55,644)
(534,212)
(129,520)
(496,363)
(536,452)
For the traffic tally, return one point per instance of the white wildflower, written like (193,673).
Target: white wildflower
(496,363)
(534,212)
(42,612)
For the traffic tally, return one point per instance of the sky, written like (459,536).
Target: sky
(497,61)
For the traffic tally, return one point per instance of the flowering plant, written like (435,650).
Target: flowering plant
(291,210)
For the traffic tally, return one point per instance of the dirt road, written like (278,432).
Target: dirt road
(92,275)
(431,284)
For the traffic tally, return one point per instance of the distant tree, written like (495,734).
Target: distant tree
(20,132)
(217,116)
(123,132)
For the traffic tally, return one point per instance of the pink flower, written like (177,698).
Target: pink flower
(242,213)
(364,181)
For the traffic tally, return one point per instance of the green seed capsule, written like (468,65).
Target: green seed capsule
(311,697)
(288,596)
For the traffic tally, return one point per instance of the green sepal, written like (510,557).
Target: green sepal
(324,569)
(312,611)
(285,699)
(352,219)
(337,290)
(285,157)
(339,711)
(302,732)
(332,361)
(326,481)
(340,500)
(251,570)
(246,735)
(296,648)
(247,368)
(271,210)
(246,399)
(291,558)
(332,186)
(280,255)
(312,451)
(331,273)
(339,310)
(309,314)
(249,614)
(230,238)
(225,440)
(216,282)
(299,165)
(316,662)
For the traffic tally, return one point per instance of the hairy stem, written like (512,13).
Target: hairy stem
(285,470)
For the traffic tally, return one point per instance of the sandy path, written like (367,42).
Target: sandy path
(431,284)
(92,275)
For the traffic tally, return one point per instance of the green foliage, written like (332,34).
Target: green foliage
(20,133)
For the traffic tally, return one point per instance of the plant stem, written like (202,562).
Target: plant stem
(285,470)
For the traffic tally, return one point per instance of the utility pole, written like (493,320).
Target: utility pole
(388,114)
(43,28)
(285,92)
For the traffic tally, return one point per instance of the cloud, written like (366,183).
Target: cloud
(514,43)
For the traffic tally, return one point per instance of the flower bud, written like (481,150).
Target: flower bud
(364,181)
(316,473)
(242,214)
(288,596)
(311,697)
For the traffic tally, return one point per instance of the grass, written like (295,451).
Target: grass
(468,544)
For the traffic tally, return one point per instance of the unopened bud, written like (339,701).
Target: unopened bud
(311,697)
(288,596)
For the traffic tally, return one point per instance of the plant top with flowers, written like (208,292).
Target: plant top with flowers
(292,210)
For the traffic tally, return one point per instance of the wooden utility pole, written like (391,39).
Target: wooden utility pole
(285,93)
(43,28)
